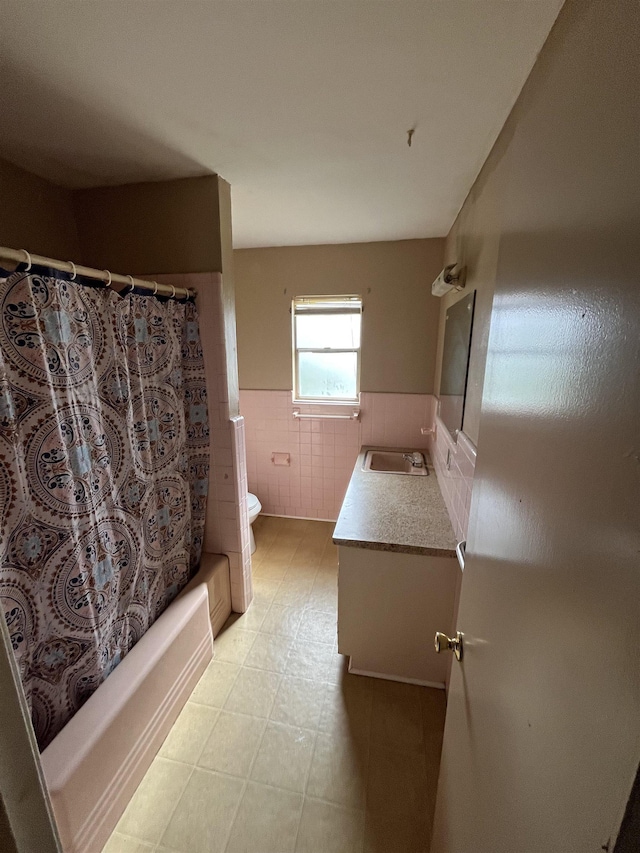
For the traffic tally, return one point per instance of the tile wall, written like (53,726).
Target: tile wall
(322,453)
(227,521)
(456,478)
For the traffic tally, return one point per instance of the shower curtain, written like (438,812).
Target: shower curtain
(104,458)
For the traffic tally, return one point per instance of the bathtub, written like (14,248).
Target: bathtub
(94,765)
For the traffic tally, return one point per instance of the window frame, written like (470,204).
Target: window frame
(314,305)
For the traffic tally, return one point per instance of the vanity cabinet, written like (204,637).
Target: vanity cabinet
(389,607)
(397,576)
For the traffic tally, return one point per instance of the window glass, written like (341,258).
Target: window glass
(322,331)
(326,340)
(328,374)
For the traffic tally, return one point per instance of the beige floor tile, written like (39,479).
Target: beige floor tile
(284,757)
(296,580)
(396,783)
(253,692)
(310,551)
(189,734)
(293,529)
(121,844)
(264,590)
(298,702)
(269,652)
(285,544)
(326,601)
(292,595)
(266,822)
(148,813)
(325,527)
(433,704)
(233,743)
(327,828)
(339,771)
(233,644)
(265,533)
(304,563)
(330,555)
(410,694)
(216,683)
(347,708)
(300,570)
(338,669)
(205,813)
(396,716)
(282,621)
(269,570)
(386,833)
(322,541)
(327,577)
(318,627)
(254,616)
(377,743)
(313,539)
(281,552)
(310,660)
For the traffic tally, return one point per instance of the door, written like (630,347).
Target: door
(542,735)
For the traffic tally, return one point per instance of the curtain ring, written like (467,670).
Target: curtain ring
(108,282)
(74,273)
(173,291)
(28,259)
(155,287)
(133,284)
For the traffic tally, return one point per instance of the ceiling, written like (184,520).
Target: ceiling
(303,106)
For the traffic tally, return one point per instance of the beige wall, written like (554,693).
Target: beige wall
(162,227)
(400,320)
(474,241)
(36,215)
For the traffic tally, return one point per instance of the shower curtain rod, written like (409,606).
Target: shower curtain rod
(21,255)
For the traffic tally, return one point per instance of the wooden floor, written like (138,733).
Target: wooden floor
(279,749)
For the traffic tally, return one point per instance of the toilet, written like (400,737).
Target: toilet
(254,508)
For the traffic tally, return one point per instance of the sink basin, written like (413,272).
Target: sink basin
(392,462)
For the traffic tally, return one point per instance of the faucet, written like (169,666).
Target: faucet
(416,459)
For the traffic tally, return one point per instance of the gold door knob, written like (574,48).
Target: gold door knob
(442,642)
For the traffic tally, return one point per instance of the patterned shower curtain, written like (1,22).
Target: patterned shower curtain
(104,457)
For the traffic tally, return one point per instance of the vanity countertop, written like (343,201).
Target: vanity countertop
(391,512)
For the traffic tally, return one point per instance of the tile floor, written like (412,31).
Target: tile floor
(279,749)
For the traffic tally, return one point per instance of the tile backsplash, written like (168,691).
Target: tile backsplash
(321,452)
(455,478)
(302,468)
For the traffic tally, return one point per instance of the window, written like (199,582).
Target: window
(326,348)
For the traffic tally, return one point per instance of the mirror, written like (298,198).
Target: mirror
(455,362)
